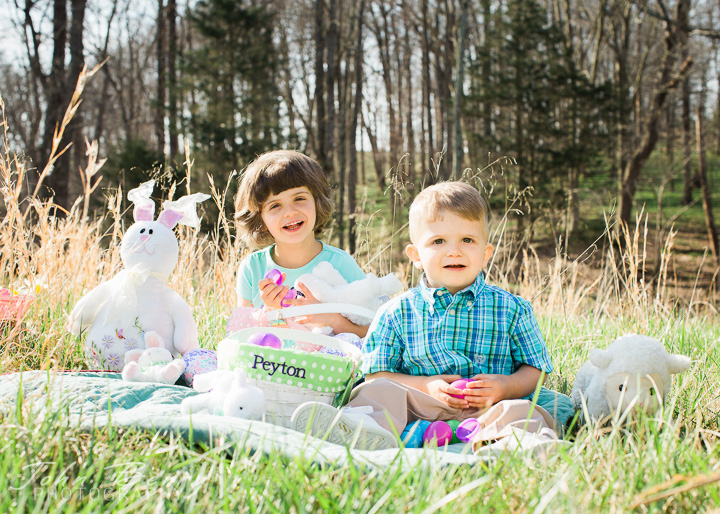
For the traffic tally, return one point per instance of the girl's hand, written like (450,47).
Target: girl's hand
(333,320)
(486,390)
(271,293)
(439,387)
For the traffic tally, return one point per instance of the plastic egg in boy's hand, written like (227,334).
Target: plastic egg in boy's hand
(460,384)
(265,339)
(275,275)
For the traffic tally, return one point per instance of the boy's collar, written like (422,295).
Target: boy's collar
(429,293)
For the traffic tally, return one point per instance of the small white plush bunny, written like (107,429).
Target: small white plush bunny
(153,364)
(226,393)
(329,286)
(118,312)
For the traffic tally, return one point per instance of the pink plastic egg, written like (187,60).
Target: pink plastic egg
(460,384)
(290,295)
(275,275)
(265,339)
(438,431)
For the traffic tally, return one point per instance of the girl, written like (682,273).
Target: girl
(282,206)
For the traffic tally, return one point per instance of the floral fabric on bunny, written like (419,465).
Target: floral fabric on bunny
(117,313)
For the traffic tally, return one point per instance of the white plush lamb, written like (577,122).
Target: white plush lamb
(118,312)
(633,372)
(153,364)
(226,393)
(328,286)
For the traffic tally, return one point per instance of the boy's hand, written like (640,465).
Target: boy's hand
(439,387)
(487,390)
(271,293)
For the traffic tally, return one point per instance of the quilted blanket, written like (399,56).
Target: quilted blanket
(91,400)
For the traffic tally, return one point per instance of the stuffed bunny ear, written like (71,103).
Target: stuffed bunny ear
(600,358)
(144,207)
(678,363)
(182,211)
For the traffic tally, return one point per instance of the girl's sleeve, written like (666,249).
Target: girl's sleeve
(349,268)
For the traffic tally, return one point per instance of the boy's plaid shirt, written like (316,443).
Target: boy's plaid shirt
(482,329)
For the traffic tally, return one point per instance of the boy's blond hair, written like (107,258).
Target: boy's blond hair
(457,198)
(271,174)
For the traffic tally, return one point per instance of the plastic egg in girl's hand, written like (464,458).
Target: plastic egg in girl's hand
(290,295)
(265,339)
(275,275)
(460,384)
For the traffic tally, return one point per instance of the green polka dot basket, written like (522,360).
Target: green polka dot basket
(291,376)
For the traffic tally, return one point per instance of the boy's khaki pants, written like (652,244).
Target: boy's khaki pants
(395,405)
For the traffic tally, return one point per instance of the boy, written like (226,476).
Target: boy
(452,325)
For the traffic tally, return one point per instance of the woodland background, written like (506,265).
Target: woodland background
(565,103)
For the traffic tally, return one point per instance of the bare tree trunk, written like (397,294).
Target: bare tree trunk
(457,164)
(344,85)
(320,47)
(670,132)
(486,75)
(352,164)
(428,133)
(633,168)
(443,73)
(55,93)
(75,127)
(686,142)
(705,188)
(410,92)
(383,33)
(160,108)
(377,159)
(100,117)
(59,88)
(172,79)
(331,77)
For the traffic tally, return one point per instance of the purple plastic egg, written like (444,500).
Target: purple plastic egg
(467,429)
(438,431)
(460,384)
(265,339)
(290,295)
(275,275)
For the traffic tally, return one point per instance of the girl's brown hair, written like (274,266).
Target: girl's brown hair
(271,174)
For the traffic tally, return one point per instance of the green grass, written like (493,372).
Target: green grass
(670,462)
(50,465)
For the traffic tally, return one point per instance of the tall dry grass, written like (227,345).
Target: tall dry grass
(60,258)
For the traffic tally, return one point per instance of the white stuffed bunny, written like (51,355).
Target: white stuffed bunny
(228,394)
(153,364)
(633,372)
(328,286)
(118,312)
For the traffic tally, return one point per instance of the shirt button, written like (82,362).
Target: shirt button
(452,312)
(469,304)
